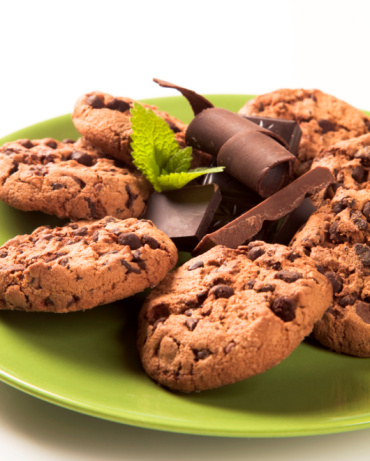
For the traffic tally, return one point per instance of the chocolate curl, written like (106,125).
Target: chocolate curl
(273,208)
(197,102)
(254,155)
(210,129)
(257,161)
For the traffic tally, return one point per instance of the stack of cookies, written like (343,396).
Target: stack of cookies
(105,252)
(226,314)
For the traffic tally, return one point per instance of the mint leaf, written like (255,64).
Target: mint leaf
(178,180)
(180,161)
(156,153)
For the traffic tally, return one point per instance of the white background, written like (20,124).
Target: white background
(52,52)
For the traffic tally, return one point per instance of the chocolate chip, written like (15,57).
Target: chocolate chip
(92,207)
(131,197)
(136,257)
(288,276)
(336,281)
(255,253)
(118,104)
(3,254)
(26,143)
(130,239)
(130,269)
(191,323)
(52,144)
(221,291)
(74,300)
(284,308)
(56,186)
(345,202)
(14,168)
(250,284)
(160,311)
(293,256)
(48,302)
(196,265)
(68,141)
(348,300)
(366,211)
(79,181)
(358,220)
(80,231)
(95,236)
(81,157)
(363,253)
(326,125)
(95,101)
(335,234)
(201,297)
(363,311)
(64,262)
(151,241)
(359,174)
(265,288)
(201,354)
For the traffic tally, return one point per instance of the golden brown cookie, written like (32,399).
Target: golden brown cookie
(229,314)
(337,239)
(323,119)
(70,180)
(83,264)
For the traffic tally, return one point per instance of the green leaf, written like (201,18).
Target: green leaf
(180,161)
(178,180)
(152,138)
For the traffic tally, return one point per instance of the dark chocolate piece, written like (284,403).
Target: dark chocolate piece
(289,130)
(236,198)
(273,208)
(184,214)
(293,222)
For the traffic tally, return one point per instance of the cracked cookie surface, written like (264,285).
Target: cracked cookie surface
(337,239)
(70,180)
(229,314)
(323,119)
(83,264)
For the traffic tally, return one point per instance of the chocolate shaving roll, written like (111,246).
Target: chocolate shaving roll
(277,206)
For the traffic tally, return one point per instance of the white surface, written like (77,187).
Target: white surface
(51,53)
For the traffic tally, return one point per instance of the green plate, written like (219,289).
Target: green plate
(87,361)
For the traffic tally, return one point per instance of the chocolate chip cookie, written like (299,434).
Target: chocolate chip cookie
(337,239)
(349,161)
(323,119)
(83,264)
(70,180)
(229,314)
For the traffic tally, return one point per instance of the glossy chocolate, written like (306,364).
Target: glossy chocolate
(184,214)
(246,226)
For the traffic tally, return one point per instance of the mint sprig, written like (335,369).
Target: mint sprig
(157,155)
